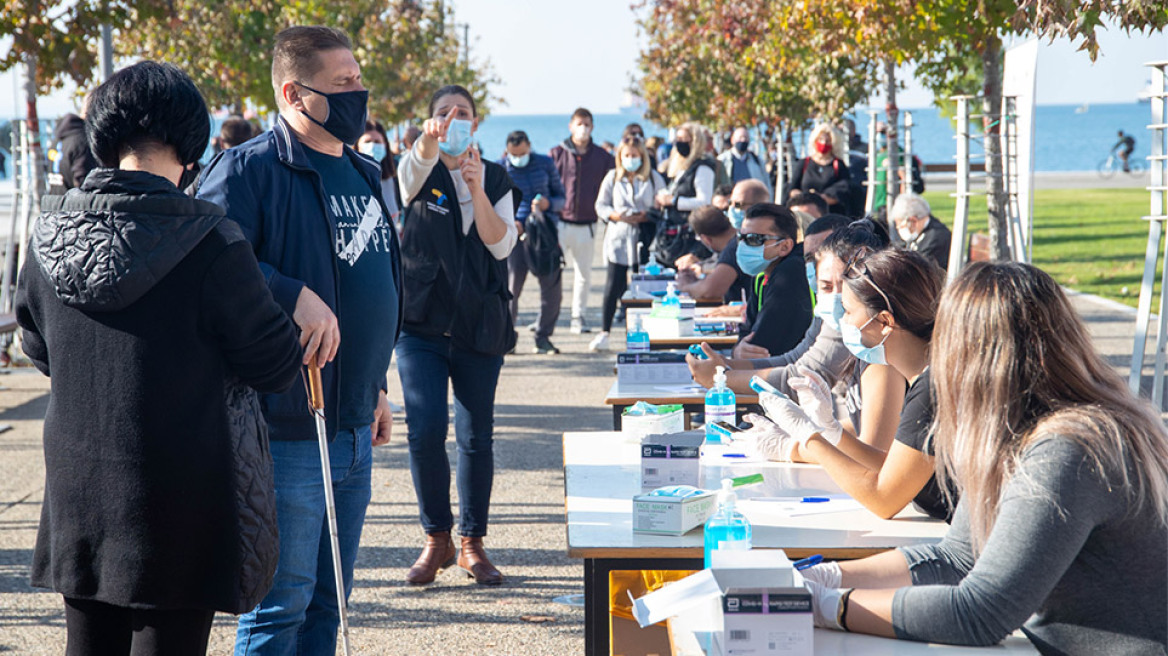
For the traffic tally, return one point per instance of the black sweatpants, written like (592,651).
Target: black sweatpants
(95,628)
(615,286)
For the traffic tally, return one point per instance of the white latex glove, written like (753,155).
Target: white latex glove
(766,439)
(815,397)
(826,573)
(789,416)
(825,605)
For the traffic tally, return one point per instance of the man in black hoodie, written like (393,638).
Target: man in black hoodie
(70,159)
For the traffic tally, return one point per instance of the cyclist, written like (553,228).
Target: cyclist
(1125,145)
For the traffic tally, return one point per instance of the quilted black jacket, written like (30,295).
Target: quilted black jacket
(151,315)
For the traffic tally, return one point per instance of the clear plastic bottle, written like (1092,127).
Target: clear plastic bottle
(720,405)
(637,340)
(728,528)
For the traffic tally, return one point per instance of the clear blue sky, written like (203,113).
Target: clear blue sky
(555,55)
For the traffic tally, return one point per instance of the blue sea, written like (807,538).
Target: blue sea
(1067,138)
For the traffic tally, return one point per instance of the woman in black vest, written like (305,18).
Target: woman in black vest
(458,229)
(692,176)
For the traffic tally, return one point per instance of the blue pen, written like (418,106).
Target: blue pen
(815,500)
(697,352)
(808,563)
(733,455)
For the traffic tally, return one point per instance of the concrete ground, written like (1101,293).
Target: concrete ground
(539,397)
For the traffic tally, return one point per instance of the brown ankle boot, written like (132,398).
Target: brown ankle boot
(473,559)
(437,555)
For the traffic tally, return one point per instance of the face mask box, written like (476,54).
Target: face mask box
(658,367)
(660,420)
(671,459)
(746,603)
(661,515)
(668,327)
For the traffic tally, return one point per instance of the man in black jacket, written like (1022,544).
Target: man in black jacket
(918,230)
(69,160)
(778,309)
(312,208)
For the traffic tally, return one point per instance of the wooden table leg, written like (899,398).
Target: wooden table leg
(617,411)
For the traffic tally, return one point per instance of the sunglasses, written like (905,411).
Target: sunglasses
(857,269)
(755,239)
(633,139)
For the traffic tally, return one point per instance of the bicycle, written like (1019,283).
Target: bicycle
(1113,164)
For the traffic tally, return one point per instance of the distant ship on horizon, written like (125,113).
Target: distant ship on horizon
(633,104)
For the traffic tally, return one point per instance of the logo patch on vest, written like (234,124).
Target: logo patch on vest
(440,196)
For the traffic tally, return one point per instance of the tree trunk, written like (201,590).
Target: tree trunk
(34,131)
(996,197)
(891,186)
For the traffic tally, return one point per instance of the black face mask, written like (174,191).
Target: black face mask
(741,146)
(682,148)
(347,113)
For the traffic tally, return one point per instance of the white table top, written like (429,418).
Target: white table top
(839,643)
(602,474)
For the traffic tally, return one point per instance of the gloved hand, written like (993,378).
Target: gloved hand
(826,574)
(825,605)
(815,397)
(789,416)
(766,439)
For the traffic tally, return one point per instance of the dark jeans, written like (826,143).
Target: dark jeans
(425,364)
(615,286)
(551,292)
(95,628)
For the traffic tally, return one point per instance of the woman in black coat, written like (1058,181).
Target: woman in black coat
(148,310)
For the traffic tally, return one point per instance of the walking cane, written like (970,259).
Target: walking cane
(316,398)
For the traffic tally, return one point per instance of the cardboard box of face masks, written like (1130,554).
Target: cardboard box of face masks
(665,515)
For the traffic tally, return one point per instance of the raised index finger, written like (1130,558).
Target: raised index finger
(450,116)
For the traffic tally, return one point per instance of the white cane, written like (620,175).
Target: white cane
(316,400)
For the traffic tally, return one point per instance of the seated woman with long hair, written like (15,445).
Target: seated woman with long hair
(1062,527)
(885,304)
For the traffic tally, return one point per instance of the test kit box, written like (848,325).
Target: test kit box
(653,367)
(644,284)
(748,603)
(765,622)
(668,327)
(671,459)
(661,515)
(665,419)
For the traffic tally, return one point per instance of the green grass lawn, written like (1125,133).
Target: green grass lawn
(1091,240)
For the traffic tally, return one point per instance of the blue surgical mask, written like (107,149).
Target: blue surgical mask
(830,308)
(853,341)
(520,161)
(736,216)
(346,115)
(881,141)
(751,259)
(810,266)
(373,149)
(457,137)
(631,163)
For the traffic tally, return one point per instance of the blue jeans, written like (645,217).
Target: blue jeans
(299,615)
(425,364)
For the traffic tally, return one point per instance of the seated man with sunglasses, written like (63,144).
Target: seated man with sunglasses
(779,306)
(719,233)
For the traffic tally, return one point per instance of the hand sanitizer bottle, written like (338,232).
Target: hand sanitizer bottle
(637,340)
(728,528)
(720,405)
(671,298)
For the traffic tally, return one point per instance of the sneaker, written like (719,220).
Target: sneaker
(579,326)
(533,326)
(599,343)
(544,346)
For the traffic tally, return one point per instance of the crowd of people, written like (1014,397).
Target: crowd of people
(183,476)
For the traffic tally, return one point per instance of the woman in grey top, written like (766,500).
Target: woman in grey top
(1063,476)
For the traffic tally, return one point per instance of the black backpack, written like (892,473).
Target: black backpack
(541,245)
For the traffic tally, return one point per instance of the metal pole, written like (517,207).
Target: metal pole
(908,149)
(8,276)
(107,52)
(957,248)
(870,197)
(316,394)
(780,163)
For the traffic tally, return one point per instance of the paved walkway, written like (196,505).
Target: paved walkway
(539,397)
